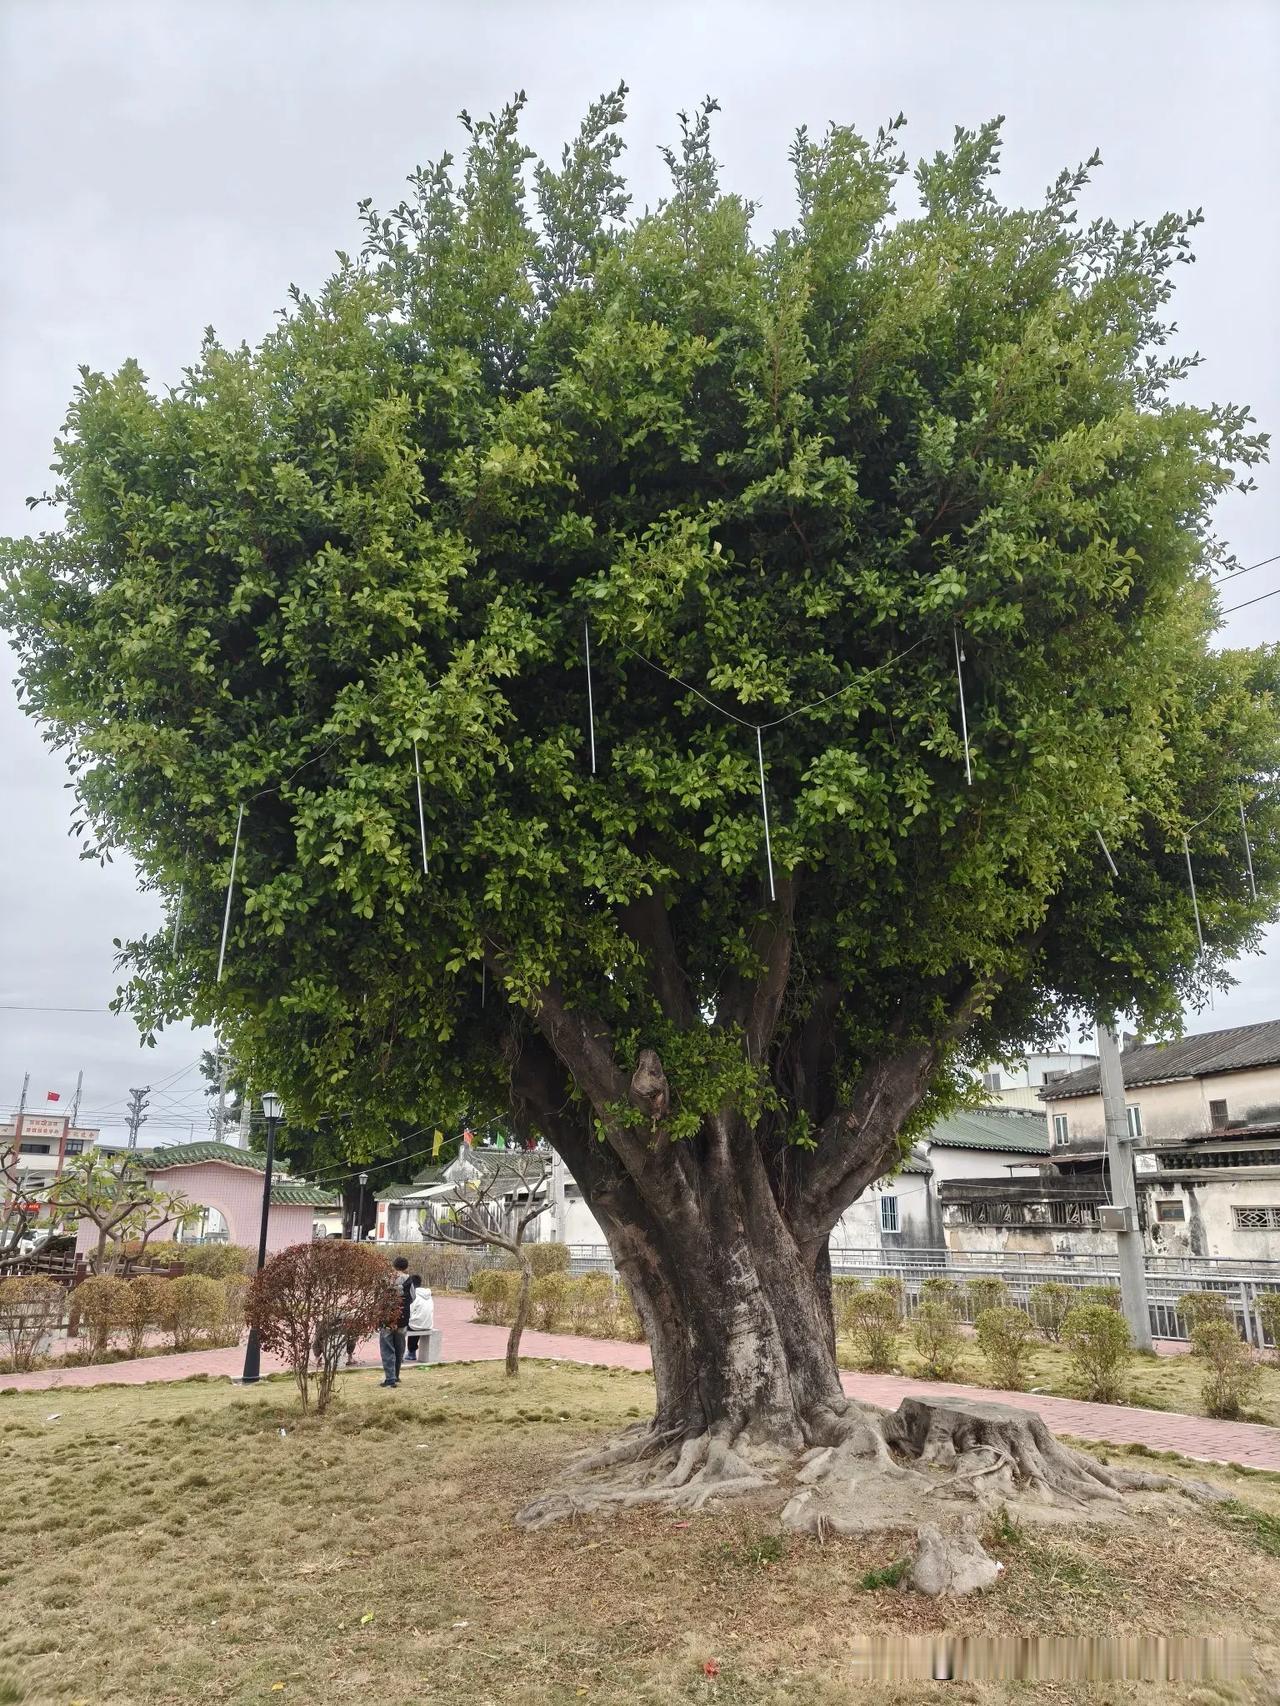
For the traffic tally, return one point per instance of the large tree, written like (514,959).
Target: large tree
(780,482)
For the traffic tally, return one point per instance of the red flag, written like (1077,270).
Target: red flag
(467,1135)
(53,1095)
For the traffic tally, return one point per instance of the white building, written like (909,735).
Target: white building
(1017,1084)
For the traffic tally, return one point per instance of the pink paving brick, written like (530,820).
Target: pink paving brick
(465,1340)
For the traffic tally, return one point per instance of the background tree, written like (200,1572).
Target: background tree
(23,1194)
(783,481)
(113,1193)
(492,1205)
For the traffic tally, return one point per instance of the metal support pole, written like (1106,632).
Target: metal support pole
(1124,1191)
(253,1351)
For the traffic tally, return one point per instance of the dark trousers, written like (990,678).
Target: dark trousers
(391,1348)
(411,1355)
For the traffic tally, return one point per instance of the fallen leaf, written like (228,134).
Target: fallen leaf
(711,1668)
(462,1623)
(680,1525)
(367,1617)
(55,1417)
(277,1688)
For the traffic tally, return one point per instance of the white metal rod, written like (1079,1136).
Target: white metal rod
(231,883)
(591,703)
(764,807)
(964,715)
(1107,851)
(1191,878)
(1248,851)
(422,821)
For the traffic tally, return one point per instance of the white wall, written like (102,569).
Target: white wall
(1179,1109)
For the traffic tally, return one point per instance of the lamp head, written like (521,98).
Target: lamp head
(272,1106)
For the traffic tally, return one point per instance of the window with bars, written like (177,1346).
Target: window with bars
(1257,1219)
(1170,1208)
(888,1214)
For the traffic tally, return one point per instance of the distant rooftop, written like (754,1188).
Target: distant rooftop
(291,1192)
(1020,1131)
(1200,1056)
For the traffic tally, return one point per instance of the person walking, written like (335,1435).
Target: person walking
(391,1337)
(422,1316)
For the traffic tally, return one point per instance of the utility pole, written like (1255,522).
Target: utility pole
(75,1106)
(1124,1191)
(220,1109)
(246,1120)
(136,1117)
(22,1104)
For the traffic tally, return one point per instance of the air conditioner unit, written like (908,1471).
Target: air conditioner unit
(1112,1218)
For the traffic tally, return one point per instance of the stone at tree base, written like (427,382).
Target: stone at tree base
(952,1563)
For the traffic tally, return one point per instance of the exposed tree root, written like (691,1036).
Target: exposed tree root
(933,1464)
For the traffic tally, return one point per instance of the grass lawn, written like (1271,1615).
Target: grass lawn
(167,1544)
(1155,1382)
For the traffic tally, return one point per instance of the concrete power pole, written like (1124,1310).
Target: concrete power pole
(246,1120)
(1124,1191)
(557,1199)
(136,1117)
(75,1106)
(220,1107)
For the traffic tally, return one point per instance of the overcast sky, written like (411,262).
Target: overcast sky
(168,166)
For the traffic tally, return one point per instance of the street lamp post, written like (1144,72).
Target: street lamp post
(272,1108)
(364,1180)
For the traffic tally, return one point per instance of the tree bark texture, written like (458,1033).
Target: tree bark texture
(521,1316)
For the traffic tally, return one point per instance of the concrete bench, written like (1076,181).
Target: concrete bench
(429,1345)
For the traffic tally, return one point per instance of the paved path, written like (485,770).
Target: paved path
(1247,1443)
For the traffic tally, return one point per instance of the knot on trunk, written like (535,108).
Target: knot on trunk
(649,1088)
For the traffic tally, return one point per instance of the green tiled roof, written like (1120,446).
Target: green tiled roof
(1019,1131)
(295,1193)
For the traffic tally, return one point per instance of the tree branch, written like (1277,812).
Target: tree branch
(647,922)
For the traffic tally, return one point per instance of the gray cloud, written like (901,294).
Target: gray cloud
(164,167)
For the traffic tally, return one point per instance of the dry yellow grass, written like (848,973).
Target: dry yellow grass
(166,1544)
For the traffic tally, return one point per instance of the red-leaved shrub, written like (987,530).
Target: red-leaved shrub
(310,1298)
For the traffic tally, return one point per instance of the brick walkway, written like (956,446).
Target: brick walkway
(1247,1443)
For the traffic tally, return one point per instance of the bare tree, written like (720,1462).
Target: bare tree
(22,1195)
(114,1193)
(494,1205)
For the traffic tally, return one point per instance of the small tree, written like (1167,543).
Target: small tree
(988,1291)
(935,1332)
(113,1193)
(1101,1296)
(495,1204)
(22,1196)
(1005,1337)
(1198,1307)
(192,1306)
(141,1309)
(310,1297)
(872,1316)
(30,1308)
(1050,1305)
(1231,1370)
(1100,1345)
(100,1306)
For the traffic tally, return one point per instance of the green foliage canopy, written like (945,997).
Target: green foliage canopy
(783,469)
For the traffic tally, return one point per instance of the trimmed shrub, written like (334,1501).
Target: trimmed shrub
(1049,1304)
(142,1308)
(889,1285)
(494,1290)
(1232,1373)
(1197,1307)
(30,1308)
(843,1291)
(1100,1345)
(550,1300)
(1101,1297)
(235,1293)
(100,1309)
(1006,1338)
(872,1314)
(938,1289)
(592,1303)
(987,1292)
(547,1258)
(628,1322)
(309,1298)
(159,1253)
(194,1306)
(935,1333)
(1269,1315)
(218,1261)
(443,1268)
